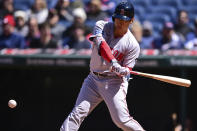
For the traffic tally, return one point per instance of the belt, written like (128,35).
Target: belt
(100,74)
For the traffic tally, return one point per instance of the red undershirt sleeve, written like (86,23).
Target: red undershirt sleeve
(106,52)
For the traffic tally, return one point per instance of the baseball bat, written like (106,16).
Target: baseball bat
(168,79)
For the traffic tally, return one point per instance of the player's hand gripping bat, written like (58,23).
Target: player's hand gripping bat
(168,79)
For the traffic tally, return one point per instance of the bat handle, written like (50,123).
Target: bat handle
(134,72)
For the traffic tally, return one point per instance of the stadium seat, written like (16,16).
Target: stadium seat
(143,3)
(86,1)
(139,11)
(192,18)
(165,10)
(155,17)
(90,23)
(157,27)
(157,20)
(51,3)
(23,4)
(191,2)
(173,3)
(192,9)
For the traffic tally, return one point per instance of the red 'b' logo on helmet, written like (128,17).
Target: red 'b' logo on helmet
(122,11)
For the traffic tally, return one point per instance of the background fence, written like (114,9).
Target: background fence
(46,93)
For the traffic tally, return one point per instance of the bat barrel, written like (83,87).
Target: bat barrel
(168,79)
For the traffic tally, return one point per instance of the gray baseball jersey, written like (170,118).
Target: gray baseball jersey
(125,49)
(110,89)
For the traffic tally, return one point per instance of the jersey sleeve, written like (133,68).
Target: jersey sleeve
(131,55)
(98,29)
(102,46)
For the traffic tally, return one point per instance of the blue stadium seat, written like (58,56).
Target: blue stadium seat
(157,27)
(153,2)
(192,9)
(183,7)
(23,4)
(166,10)
(173,3)
(192,18)
(86,1)
(139,11)
(143,3)
(190,2)
(157,20)
(155,17)
(90,23)
(51,3)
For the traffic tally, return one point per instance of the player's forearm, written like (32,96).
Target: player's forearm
(103,48)
(105,52)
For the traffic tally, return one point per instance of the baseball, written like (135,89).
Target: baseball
(12,103)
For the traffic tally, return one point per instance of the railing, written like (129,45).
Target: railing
(65,57)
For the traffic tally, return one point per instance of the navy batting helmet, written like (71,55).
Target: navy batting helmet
(124,11)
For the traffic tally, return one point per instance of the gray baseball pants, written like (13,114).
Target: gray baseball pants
(96,89)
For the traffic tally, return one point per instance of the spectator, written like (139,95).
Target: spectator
(39,10)
(136,30)
(9,39)
(94,11)
(181,26)
(34,32)
(169,39)
(79,19)
(192,38)
(78,39)
(192,44)
(64,10)
(45,40)
(21,19)
(147,37)
(7,8)
(57,29)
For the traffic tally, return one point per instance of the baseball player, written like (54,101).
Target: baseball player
(113,56)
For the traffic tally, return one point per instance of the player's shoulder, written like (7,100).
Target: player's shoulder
(132,40)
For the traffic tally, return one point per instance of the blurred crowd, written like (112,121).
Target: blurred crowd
(69,23)
(177,34)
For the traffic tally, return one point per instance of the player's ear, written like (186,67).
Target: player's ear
(132,19)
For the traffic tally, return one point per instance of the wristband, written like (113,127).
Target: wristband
(113,61)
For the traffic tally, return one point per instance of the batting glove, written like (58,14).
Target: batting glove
(118,69)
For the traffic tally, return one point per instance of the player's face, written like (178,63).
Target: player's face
(122,24)
(121,27)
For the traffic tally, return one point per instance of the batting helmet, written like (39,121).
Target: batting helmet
(124,11)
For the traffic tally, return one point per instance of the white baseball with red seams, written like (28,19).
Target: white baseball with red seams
(12,103)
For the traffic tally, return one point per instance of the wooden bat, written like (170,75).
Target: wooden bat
(168,79)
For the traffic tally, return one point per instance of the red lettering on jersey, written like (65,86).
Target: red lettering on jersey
(118,55)
(115,53)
